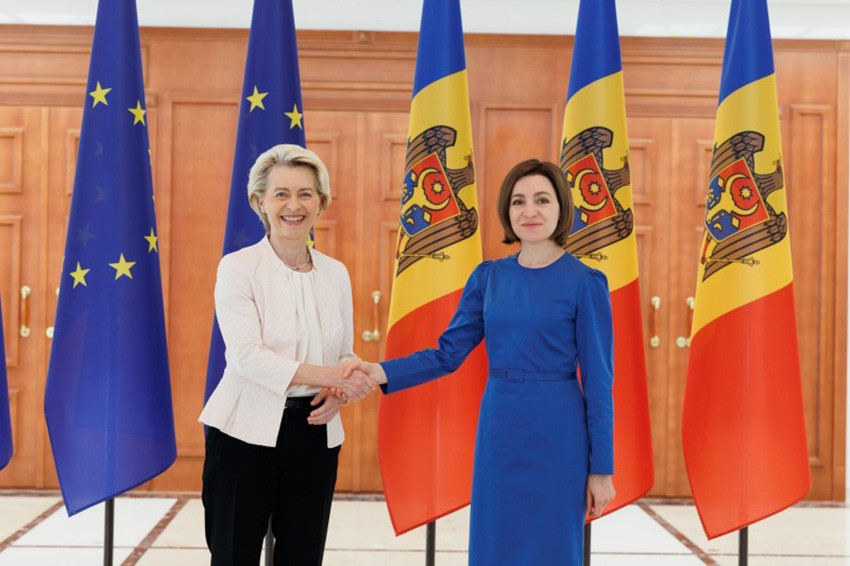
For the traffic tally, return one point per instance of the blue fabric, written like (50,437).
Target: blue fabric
(440,51)
(5,417)
(748,55)
(272,67)
(538,438)
(596,50)
(108,394)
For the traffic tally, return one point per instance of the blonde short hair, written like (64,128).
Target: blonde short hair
(286,155)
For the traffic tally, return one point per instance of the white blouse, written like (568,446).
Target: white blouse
(308,329)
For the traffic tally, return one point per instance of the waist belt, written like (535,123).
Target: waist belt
(522,375)
(299,403)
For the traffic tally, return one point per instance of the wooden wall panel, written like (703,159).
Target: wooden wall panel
(198,188)
(810,180)
(508,134)
(356,90)
(10,283)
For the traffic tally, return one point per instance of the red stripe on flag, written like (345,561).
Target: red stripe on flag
(634,472)
(427,433)
(743,427)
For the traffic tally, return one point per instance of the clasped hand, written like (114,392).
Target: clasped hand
(358,380)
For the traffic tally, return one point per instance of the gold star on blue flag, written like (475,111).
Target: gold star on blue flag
(108,394)
(5,416)
(272,63)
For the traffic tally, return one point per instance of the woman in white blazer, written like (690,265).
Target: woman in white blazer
(285,314)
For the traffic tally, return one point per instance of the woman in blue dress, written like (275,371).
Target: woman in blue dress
(544,447)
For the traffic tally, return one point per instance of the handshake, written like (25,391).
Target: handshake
(356,379)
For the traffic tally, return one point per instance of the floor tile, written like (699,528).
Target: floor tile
(815,531)
(631,530)
(186,530)
(645,560)
(58,556)
(175,557)
(366,525)
(134,519)
(391,558)
(784,560)
(19,510)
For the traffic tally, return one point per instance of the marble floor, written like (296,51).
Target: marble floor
(167,530)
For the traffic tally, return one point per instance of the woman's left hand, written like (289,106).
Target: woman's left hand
(327,407)
(600,492)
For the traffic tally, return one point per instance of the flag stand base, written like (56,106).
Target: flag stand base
(109,532)
(430,543)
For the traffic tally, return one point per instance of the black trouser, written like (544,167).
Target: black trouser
(246,484)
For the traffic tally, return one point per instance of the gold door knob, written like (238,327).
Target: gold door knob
(374,335)
(49,332)
(654,339)
(26,291)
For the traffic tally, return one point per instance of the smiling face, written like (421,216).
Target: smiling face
(534,210)
(291,202)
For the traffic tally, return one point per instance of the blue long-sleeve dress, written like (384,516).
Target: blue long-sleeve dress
(539,432)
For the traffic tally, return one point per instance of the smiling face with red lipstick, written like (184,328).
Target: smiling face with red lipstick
(291,202)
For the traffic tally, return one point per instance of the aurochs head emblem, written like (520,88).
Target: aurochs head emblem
(433,216)
(600,220)
(738,220)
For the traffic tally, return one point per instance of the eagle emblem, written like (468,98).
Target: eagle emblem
(738,219)
(433,216)
(599,219)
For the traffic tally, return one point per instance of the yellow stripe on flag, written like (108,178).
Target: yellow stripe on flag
(750,108)
(442,103)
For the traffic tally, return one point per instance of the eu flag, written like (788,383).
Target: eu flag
(108,396)
(5,418)
(270,114)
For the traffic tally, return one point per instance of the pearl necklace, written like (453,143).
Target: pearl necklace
(302,266)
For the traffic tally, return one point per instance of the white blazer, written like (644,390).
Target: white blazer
(256,314)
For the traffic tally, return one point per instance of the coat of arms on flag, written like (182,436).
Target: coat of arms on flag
(433,216)
(738,219)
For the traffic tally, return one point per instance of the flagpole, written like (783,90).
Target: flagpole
(743,545)
(587,544)
(109,532)
(430,543)
(269,545)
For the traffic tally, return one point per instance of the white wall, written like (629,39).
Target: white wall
(680,18)
(808,19)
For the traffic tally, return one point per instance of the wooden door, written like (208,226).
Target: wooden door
(22,177)
(649,159)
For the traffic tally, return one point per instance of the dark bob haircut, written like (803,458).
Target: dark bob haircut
(562,192)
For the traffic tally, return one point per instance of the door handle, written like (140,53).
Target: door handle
(685,341)
(375,334)
(26,291)
(654,339)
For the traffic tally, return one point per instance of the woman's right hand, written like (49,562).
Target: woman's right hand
(351,382)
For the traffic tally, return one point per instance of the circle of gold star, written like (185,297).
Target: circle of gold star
(79,276)
(151,238)
(294,117)
(99,95)
(138,113)
(256,99)
(122,267)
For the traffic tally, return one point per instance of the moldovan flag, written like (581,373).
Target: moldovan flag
(108,395)
(270,113)
(5,417)
(427,434)
(594,156)
(743,428)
